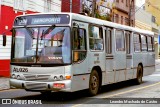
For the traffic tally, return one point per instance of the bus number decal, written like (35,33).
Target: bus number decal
(20,69)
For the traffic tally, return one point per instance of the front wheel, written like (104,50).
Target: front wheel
(94,83)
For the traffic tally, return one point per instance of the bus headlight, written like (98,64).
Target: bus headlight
(18,77)
(55,78)
(13,76)
(61,77)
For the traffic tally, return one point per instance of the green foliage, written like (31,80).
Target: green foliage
(103,17)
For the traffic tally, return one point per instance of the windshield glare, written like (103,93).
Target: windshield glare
(42,45)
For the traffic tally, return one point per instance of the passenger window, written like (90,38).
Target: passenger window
(137,42)
(120,45)
(144,43)
(153,49)
(128,42)
(95,38)
(150,44)
(149,40)
(109,41)
(79,44)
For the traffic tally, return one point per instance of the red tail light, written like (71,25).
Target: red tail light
(58,85)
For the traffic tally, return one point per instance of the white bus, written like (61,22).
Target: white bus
(70,52)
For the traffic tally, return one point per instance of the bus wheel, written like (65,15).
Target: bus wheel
(94,83)
(139,74)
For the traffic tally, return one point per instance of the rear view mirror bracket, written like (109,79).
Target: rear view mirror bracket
(4,39)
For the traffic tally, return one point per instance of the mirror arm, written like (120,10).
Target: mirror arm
(4,39)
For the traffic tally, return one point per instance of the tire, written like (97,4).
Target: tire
(138,80)
(94,83)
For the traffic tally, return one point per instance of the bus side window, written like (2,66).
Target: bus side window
(144,43)
(79,39)
(149,41)
(120,45)
(95,38)
(137,42)
(153,49)
(128,42)
(108,41)
(79,44)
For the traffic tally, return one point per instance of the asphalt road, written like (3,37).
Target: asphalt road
(150,88)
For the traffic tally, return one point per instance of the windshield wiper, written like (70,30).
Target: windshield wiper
(30,32)
(48,30)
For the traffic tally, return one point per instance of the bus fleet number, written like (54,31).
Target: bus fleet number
(20,69)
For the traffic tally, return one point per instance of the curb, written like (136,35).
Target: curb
(4,89)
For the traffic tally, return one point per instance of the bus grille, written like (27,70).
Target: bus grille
(36,86)
(32,77)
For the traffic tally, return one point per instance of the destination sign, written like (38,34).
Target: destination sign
(45,20)
(42,19)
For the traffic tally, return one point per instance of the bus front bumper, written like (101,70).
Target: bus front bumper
(64,86)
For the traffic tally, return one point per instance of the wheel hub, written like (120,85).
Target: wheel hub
(94,82)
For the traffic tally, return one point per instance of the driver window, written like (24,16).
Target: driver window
(79,44)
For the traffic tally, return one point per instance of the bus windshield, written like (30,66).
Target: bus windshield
(41,45)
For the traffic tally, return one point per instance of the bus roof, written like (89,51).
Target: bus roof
(109,24)
(87,19)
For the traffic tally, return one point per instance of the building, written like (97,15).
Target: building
(151,17)
(148,24)
(124,12)
(74,6)
(119,11)
(9,9)
(153,7)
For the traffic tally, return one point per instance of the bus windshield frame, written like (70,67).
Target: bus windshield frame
(41,45)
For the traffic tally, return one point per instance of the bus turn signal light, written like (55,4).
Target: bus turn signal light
(68,77)
(59,85)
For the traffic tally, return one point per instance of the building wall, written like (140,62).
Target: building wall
(122,5)
(120,17)
(8,11)
(124,12)
(7,16)
(152,6)
(142,25)
(141,21)
(121,8)
(144,21)
(65,6)
(33,5)
(76,6)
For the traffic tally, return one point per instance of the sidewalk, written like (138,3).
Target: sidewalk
(4,82)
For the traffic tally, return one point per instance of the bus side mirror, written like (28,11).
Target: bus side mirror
(4,39)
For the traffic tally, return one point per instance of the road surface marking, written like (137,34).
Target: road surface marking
(132,90)
(122,93)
